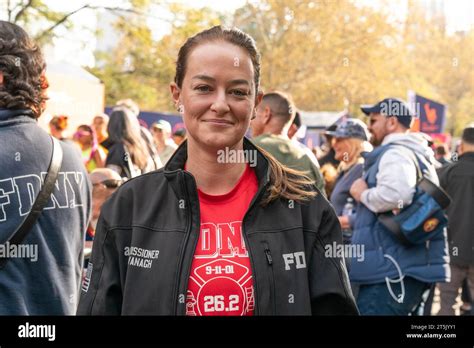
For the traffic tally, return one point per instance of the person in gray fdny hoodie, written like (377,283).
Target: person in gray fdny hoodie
(42,275)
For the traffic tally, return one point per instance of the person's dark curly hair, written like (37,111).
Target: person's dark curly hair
(22,65)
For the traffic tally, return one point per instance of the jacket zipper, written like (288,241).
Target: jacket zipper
(183,249)
(247,244)
(271,274)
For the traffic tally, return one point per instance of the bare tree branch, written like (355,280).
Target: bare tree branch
(22,11)
(58,23)
(9,12)
(112,9)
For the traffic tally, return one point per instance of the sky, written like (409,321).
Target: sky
(78,45)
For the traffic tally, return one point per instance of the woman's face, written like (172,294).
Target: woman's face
(99,125)
(217,96)
(158,135)
(343,149)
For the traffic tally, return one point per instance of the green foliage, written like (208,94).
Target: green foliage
(335,54)
(36,17)
(330,55)
(141,68)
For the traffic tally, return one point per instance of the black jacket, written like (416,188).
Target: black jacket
(457,179)
(159,212)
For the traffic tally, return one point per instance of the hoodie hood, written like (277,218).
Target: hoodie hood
(6,114)
(415,141)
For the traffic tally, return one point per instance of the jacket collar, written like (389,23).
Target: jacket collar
(469,156)
(6,114)
(175,165)
(371,157)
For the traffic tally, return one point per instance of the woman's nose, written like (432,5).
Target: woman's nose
(220,105)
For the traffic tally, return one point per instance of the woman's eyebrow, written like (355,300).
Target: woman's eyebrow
(239,82)
(204,77)
(211,79)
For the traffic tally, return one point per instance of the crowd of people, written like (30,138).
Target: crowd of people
(169,228)
(119,142)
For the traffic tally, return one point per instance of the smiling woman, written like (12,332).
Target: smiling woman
(234,238)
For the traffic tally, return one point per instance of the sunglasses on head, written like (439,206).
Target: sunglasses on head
(81,133)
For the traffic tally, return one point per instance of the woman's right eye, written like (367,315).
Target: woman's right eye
(203,88)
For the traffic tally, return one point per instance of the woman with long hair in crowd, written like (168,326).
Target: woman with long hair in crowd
(128,154)
(223,229)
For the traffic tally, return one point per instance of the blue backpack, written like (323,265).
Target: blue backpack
(424,218)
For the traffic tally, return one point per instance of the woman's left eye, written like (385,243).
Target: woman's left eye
(239,92)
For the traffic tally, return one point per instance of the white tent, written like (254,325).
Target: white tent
(319,119)
(74,92)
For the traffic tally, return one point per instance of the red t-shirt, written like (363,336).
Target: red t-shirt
(220,281)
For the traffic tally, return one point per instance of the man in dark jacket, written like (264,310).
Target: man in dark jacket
(458,180)
(42,275)
(148,232)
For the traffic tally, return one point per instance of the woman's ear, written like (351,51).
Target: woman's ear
(258,100)
(175,94)
(1,78)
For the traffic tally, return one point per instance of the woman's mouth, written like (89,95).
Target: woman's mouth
(219,122)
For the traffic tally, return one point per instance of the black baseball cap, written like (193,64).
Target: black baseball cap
(391,107)
(181,132)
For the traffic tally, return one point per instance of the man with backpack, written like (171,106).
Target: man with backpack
(396,273)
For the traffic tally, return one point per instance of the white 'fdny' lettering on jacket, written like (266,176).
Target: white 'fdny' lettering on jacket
(22,191)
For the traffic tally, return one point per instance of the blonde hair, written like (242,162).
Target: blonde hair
(356,146)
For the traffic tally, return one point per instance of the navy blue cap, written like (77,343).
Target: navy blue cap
(391,107)
(351,128)
(340,120)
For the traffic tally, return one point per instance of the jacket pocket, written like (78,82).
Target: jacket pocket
(271,276)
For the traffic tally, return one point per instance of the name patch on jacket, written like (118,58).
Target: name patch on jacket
(140,257)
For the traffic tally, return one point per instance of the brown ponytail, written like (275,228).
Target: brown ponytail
(287,183)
